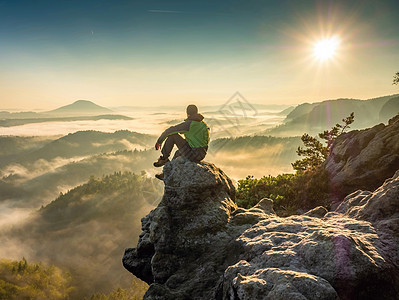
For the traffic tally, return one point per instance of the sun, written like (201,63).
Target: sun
(326,49)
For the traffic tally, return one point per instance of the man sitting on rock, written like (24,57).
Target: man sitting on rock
(195,144)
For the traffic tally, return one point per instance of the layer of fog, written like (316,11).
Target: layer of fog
(10,215)
(254,155)
(23,173)
(39,183)
(258,163)
(90,250)
(37,177)
(223,124)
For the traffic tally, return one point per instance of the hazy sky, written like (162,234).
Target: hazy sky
(175,52)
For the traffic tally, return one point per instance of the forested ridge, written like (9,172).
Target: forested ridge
(83,232)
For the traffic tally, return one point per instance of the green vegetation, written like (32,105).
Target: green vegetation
(21,280)
(290,192)
(279,188)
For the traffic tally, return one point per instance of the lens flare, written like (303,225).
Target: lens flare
(326,49)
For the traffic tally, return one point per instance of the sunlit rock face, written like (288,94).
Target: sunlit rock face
(303,257)
(198,245)
(363,159)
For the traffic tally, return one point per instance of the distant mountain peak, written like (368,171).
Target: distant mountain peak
(81,107)
(83,102)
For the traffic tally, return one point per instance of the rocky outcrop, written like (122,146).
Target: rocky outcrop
(363,159)
(198,245)
(351,253)
(175,253)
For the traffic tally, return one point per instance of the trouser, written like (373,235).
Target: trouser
(184,149)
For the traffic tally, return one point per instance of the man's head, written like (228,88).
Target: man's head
(192,110)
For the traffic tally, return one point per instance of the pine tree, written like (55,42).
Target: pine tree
(315,152)
(396,78)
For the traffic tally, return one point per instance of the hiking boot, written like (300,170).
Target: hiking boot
(161,161)
(159,176)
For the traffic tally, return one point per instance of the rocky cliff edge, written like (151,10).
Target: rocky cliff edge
(363,159)
(198,245)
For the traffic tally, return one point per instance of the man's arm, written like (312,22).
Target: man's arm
(179,128)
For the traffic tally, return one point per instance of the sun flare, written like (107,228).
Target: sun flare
(326,49)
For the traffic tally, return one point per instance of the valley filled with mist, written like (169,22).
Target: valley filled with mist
(76,181)
(302,111)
